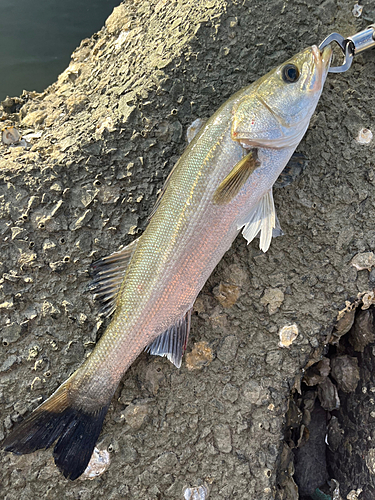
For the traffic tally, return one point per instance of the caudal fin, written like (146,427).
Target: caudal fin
(75,430)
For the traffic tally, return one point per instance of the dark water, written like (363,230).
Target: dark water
(38,36)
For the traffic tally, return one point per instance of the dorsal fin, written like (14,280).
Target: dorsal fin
(172,343)
(234,181)
(108,274)
(262,219)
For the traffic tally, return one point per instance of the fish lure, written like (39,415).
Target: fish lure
(221,186)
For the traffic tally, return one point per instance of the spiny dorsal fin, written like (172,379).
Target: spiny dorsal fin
(232,184)
(262,219)
(172,343)
(108,274)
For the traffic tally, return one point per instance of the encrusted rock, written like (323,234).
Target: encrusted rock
(364,260)
(154,377)
(200,356)
(328,395)
(9,363)
(288,335)
(228,350)
(227,294)
(135,415)
(362,332)
(317,373)
(34,118)
(253,393)
(273,297)
(223,439)
(167,461)
(76,103)
(99,463)
(345,371)
(118,20)
(370,460)
(230,392)
(11,333)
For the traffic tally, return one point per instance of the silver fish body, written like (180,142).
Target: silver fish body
(189,232)
(221,185)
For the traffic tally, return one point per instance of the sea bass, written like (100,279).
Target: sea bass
(221,185)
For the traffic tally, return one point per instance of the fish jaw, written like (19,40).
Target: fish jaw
(323,62)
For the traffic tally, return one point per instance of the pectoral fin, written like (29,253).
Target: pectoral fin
(232,184)
(262,219)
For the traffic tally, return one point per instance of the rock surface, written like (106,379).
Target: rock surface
(113,126)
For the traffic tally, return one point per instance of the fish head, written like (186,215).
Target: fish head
(275,111)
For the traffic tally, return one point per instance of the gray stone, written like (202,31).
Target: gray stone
(230,392)
(11,333)
(228,349)
(223,439)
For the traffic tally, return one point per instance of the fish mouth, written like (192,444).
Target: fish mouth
(321,62)
(322,59)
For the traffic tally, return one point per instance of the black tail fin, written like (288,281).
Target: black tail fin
(76,430)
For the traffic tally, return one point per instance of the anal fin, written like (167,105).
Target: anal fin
(172,343)
(261,220)
(108,274)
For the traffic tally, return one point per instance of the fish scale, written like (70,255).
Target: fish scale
(221,185)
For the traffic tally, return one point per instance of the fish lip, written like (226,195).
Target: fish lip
(326,56)
(322,60)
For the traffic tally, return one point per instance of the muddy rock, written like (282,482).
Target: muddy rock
(345,321)
(328,395)
(273,298)
(113,125)
(362,332)
(227,294)
(11,333)
(135,415)
(365,260)
(311,468)
(223,438)
(317,373)
(200,356)
(227,351)
(346,372)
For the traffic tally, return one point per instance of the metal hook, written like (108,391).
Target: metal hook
(350,46)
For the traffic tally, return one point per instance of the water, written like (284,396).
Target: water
(38,36)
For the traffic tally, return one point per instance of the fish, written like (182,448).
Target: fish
(220,186)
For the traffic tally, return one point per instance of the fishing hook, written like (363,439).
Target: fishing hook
(350,46)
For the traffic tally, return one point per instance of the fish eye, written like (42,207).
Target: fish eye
(290,73)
